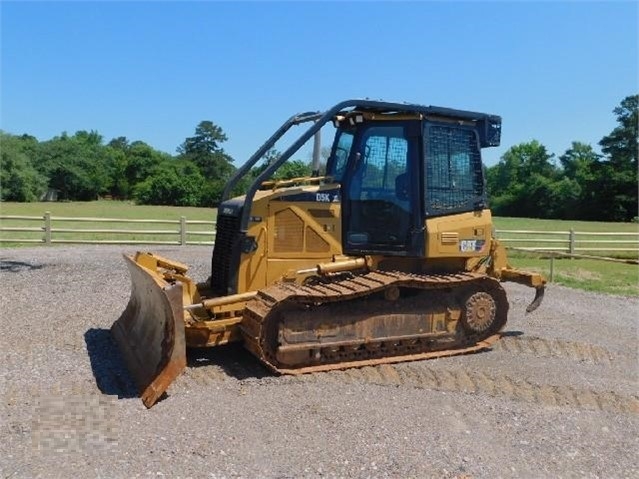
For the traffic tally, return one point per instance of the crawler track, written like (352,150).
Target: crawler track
(371,319)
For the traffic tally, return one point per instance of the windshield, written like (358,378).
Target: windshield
(339,155)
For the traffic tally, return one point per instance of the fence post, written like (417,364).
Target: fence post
(47,228)
(552,268)
(182,230)
(572,241)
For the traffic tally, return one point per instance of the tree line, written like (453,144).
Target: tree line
(82,167)
(582,185)
(528,181)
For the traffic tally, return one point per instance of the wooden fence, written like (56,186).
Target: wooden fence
(48,230)
(571,241)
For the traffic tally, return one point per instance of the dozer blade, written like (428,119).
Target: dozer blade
(150,332)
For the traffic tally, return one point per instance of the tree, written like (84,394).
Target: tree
(178,183)
(208,138)
(290,169)
(270,157)
(130,164)
(119,186)
(205,151)
(293,169)
(579,162)
(621,144)
(521,184)
(19,180)
(92,137)
(120,143)
(77,166)
(619,172)
(580,168)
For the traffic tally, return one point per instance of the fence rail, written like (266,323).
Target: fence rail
(55,230)
(571,241)
(60,230)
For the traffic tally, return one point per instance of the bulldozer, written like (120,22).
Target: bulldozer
(387,256)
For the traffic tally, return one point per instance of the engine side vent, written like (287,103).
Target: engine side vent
(449,238)
(289,232)
(315,243)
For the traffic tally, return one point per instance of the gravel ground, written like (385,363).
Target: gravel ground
(556,397)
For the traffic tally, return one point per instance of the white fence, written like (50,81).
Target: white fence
(571,241)
(56,230)
(48,230)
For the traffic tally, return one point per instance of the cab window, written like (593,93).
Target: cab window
(341,151)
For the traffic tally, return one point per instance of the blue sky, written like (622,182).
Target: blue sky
(152,71)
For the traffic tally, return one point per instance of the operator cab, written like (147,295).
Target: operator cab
(397,170)
(397,165)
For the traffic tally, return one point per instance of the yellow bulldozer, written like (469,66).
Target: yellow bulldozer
(388,256)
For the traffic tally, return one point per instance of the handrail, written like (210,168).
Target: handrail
(268,144)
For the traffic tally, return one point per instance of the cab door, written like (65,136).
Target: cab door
(380,193)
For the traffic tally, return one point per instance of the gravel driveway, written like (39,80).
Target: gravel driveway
(557,397)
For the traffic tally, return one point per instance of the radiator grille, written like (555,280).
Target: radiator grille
(227,231)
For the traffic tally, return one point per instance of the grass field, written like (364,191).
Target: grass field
(107,209)
(592,275)
(587,274)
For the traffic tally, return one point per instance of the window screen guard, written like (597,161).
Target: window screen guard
(453,170)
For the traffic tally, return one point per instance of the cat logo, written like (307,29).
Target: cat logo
(469,246)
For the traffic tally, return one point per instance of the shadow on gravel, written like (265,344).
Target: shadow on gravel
(11,266)
(233,359)
(111,375)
